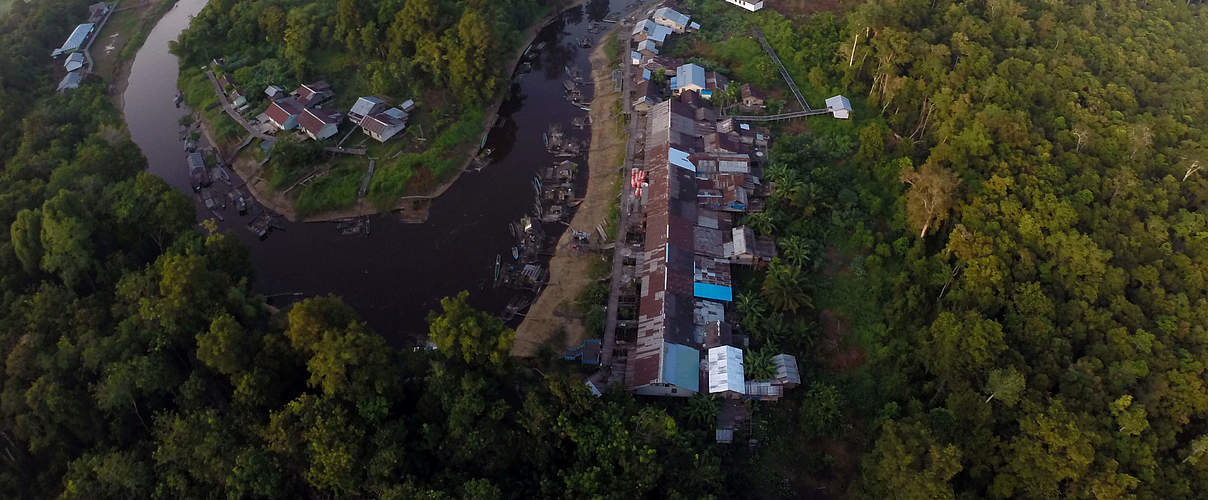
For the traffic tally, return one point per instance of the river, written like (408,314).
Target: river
(400,272)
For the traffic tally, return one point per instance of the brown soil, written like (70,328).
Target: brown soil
(554,310)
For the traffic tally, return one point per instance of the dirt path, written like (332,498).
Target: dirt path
(555,309)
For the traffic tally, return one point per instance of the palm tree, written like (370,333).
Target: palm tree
(761,222)
(758,365)
(701,410)
(751,309)
(783,287)
(796,250)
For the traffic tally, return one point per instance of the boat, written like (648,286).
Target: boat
(515,253)
(498,263)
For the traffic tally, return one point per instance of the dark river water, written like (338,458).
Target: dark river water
(400,272)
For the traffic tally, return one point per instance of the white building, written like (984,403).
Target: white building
(726,375)
(839,107)
(748,4)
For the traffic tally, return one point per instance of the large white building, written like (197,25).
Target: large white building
(748,4)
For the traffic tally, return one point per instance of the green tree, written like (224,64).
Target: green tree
(26,237)
(474,337)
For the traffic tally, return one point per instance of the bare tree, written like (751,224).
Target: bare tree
(930,197)
(1195,167)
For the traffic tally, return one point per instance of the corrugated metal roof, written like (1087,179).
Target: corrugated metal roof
(692,77)
(672,15)
(786,369)
(71,81)
(681,367)
(838,102)
(366,106)
(75,39)
(726,370)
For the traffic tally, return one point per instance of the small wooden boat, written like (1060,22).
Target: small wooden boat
(515,253)
(498,263)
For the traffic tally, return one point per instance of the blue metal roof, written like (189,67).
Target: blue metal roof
(712,292)
(681,366)
(75,40)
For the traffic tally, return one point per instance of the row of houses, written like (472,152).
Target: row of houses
(701,176)
(302,109)
(74,44)
(699,180)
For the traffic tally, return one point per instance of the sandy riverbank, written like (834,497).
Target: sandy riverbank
(555,309)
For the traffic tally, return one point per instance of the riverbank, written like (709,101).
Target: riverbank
(121,38)
(555,312)
(411,208)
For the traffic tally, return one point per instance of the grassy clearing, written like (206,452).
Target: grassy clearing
(333,191)
(421,171)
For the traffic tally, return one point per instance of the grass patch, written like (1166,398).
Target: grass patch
(419,172)
(145,23)
(200,96)
(335,190)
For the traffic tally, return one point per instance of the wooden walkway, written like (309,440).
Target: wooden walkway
(782,116)
(783,72)
(368,177)
(230,110)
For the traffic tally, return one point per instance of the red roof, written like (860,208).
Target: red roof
(280,111)
(313,120)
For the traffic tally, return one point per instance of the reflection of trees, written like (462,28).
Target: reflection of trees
(573,16)
(597,9)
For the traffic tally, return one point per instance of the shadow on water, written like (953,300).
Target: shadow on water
(401,271)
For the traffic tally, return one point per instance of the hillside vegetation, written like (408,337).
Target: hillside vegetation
(1002,264)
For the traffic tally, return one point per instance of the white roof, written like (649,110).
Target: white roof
(838,102)
(648,45)
(725,370)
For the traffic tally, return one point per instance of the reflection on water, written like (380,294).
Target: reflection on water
(400,272)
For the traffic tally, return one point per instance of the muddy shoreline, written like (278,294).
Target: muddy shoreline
(554,316)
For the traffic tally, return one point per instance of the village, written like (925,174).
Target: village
(78,63)
(694,170)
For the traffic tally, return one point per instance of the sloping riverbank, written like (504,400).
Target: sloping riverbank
(556,310)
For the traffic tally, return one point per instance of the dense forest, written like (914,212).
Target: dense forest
(1001,266)
(995,277)
(137,363)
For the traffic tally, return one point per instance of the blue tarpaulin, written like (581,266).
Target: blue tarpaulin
(713,292)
